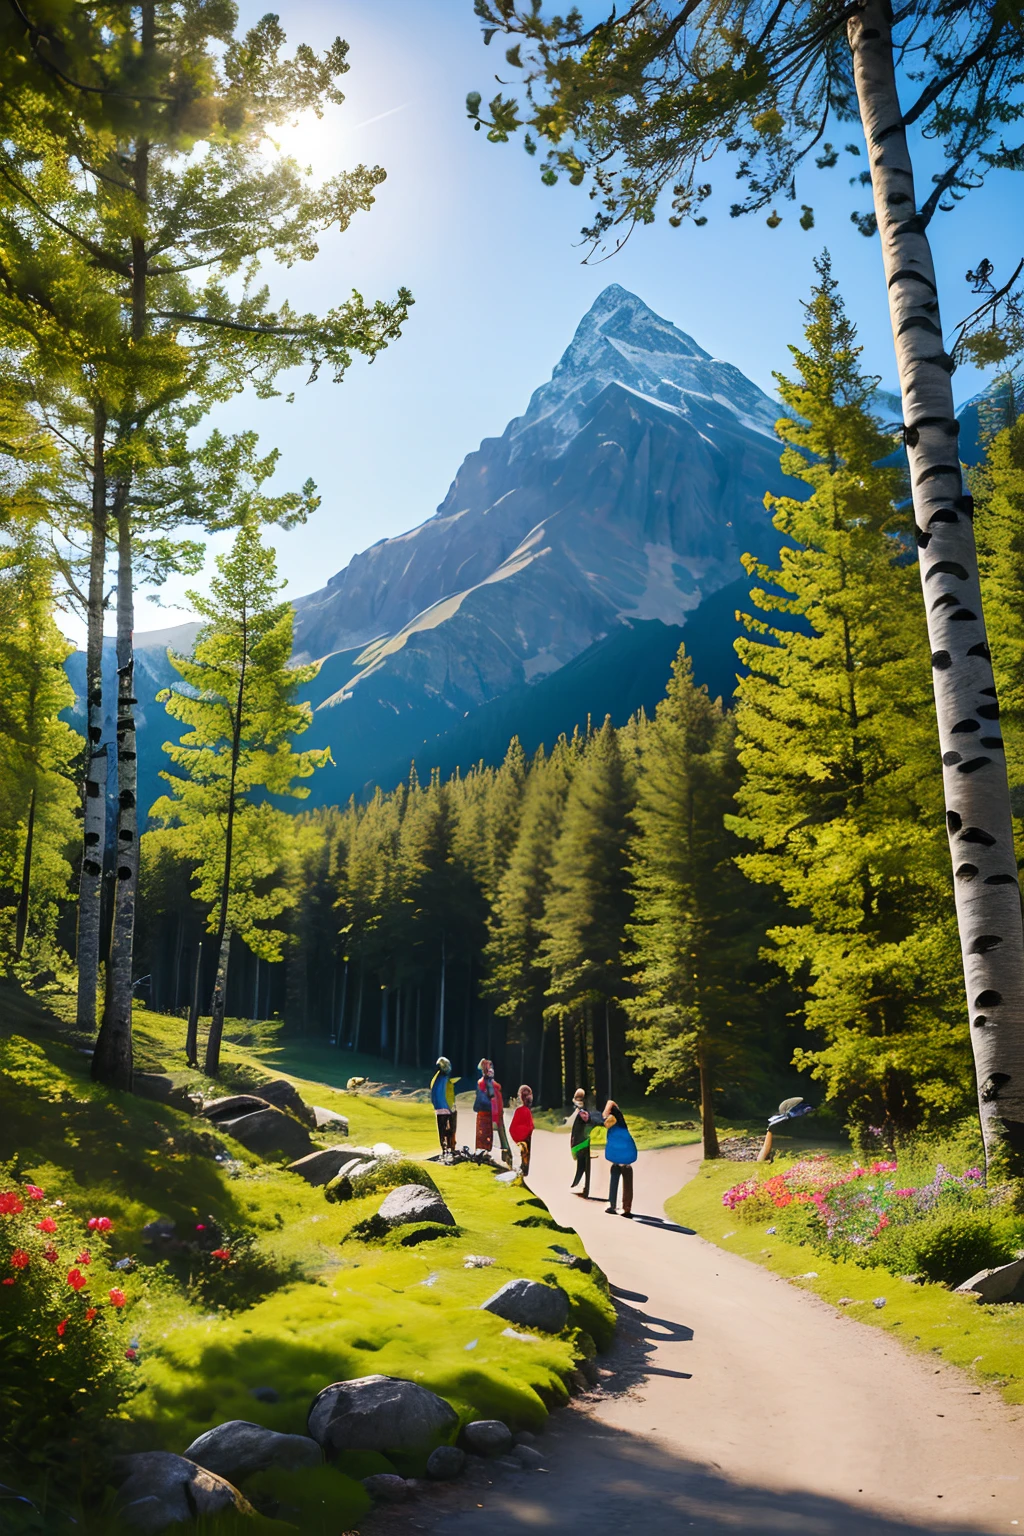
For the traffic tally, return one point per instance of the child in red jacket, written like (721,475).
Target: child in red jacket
(522,1127)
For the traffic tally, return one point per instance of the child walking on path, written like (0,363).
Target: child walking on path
(521,1129)
(620,1151)
(579,1142)
(442,1098)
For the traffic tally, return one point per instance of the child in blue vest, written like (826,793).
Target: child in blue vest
(442,1098)
(620,1151)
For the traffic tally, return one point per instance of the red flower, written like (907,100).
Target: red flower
(117,1297)
(50,1254)
(77,1280)
(19,1259)
(61,1327)
(131,1354)
(221,1253)
(46,1225)
(90,1313)
(100,1224)
(6,1282)
(84,1258)
(34,1192)
(10,1205)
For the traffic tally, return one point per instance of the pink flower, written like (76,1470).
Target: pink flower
(77,1280)
(46,1225)
(100,1224)
(200,1226)
(117,1297)
(131,1354)
(34,1192)
(10,1205)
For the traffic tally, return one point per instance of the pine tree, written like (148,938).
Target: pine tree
(998,486)
(38,751)
(588,903)
(836,730)
(696,926)
(241,714)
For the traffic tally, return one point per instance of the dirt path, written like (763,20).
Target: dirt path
(736,1402)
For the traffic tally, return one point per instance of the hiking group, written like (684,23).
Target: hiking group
(489,1109)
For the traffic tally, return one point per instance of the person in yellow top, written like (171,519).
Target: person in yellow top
(442,1097)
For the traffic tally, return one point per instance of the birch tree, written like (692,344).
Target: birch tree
(637,106)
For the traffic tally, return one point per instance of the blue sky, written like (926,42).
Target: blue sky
(493,260)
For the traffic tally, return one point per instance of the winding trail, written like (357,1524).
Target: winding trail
(737,1402)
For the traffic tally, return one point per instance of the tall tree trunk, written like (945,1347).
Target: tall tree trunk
(192,1034)
(112,1058)
(213,1039)
(21,921)
(707,1110)
(540,1067)
(94,787)
(179,942)
(359,1013)
(383,1042)
(218,1004)
(974,768)
(344,1000)
(398,1024)
(440,1004)
(608,1045)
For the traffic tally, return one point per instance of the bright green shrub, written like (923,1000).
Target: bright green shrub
(389,1173)
(949,1245)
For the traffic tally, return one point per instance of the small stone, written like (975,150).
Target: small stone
(487,1437)
(509,1463)
(330,1120)
(446,1462)
(411,1202)
(159,1233)
(526,1437)
(528,1456)
(531,1305)
(845,1301)
(388,1487)
(238,1448)
(879,1301)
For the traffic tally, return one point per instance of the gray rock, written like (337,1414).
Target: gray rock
(446,1462)
(531,1305)
(160,1233)
(509,1463)
(269,1133)
(238,1448)
(324,1165)
(285,1095)
(528,1456)
(162,1490)
(379,1413)
(411,1202)
(155,1085)
(388,1487)
(487,1437)
(526,1437)
(330,1120)
(232,1106)
(995,1284)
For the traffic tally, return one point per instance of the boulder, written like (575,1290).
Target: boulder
(322,1166)
(330,1120)
(445,1462)
(232,1106)
(528,1456)
(155,1085)
(238,1448)
(388,1487)
(162,1490)
(531,1305)
(995,1284)
(411,1202)
(487,1437)
(284,1095)
(269,1132)
(379,1413)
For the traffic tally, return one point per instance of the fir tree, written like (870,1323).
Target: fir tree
(241,713)
(696,928)
(836,730)
(999,491)
(588,904)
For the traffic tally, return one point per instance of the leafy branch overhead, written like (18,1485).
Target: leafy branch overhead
(639,104)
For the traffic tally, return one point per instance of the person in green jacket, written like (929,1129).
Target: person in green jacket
(579,1141)
(442,1097)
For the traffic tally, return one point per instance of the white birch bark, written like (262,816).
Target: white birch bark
(974,768)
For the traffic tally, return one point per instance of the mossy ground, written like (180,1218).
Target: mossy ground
(340,1307)
(987,1341)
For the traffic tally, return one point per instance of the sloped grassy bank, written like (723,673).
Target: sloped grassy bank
(300,1301)
(987,1341)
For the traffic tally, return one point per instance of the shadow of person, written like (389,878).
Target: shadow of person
(666,1226)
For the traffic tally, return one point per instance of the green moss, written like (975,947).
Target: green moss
(988,1341)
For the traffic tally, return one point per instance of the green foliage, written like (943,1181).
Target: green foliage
(241,715)
(387,1173)
(950,1245)
(836,737)
(998,486)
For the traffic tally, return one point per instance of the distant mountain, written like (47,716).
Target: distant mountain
(556,579)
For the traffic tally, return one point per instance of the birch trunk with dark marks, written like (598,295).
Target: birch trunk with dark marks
(974,770)
(94,789)
(112,1058)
